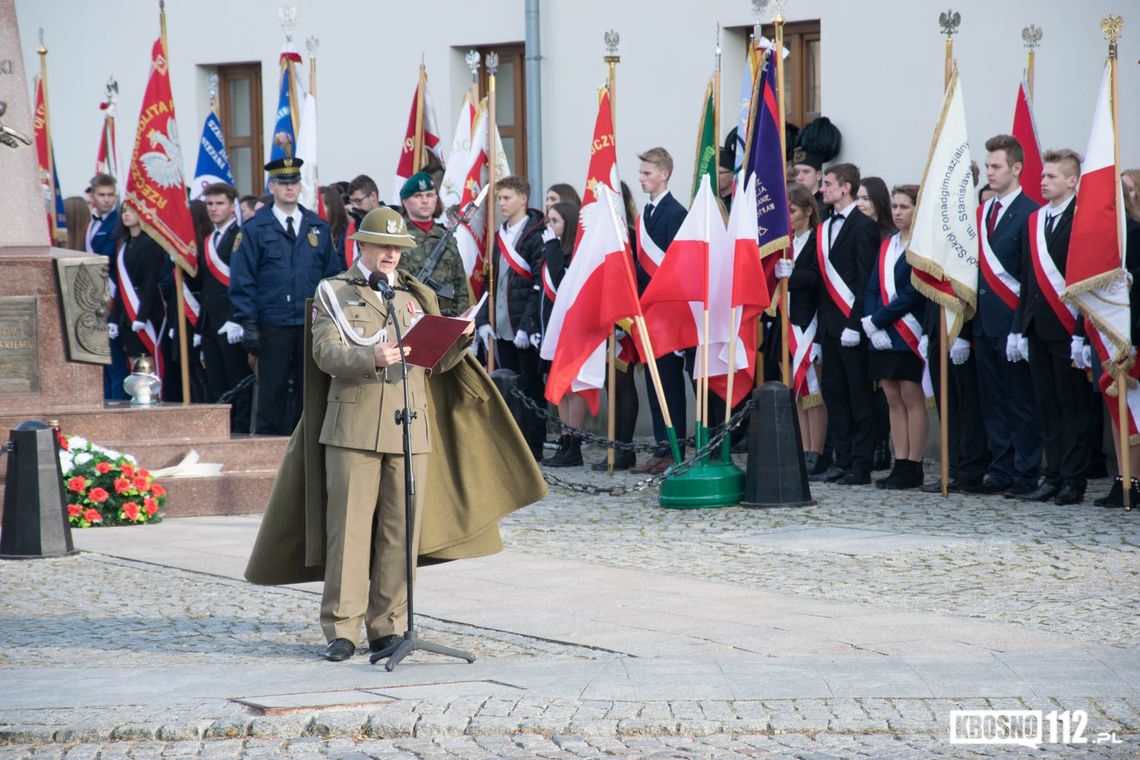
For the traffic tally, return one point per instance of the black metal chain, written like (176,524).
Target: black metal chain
(244,383)
(678,469)
(6,447)
(564,429)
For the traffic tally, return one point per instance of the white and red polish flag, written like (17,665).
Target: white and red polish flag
(598,290)
(429,134)
(1095,279)
(455,176)
(679,293)
(1025,130)
(738,284)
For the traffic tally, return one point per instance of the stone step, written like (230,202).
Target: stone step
(236,454)
(118,421)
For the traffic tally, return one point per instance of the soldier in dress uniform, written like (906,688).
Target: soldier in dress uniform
(419,198)
(285,250)
(355,343)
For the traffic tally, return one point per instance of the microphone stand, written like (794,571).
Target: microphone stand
(411,641)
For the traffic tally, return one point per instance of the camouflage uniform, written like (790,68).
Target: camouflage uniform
(449,269)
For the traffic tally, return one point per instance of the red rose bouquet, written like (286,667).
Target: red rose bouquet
(104,487)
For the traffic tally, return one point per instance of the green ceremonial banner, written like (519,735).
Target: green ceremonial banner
(706,143)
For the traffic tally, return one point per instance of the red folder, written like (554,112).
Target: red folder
(431,337)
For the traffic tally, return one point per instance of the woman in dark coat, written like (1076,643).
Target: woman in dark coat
(139,311)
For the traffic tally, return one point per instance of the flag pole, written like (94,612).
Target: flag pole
(418,139)
(726,444)
(472,61)
(1111,26)
(179,281)
(1031,35)
(785,301)
(612,59)
(949,22)
(312,66)
(492,63)
(54,235)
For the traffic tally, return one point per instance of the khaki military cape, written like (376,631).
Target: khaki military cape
(479,470)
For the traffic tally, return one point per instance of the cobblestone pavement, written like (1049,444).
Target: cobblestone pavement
(1070,570)
(1062,570)
(527,745)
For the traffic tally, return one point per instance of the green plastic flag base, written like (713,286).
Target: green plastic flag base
(706,485)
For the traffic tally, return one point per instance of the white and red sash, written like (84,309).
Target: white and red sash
(1050,279)
(149,336)
(217,267)
(841,295)
(648,253)
(1004,285)
(192,307)
(800,342)
(908,327)
(92,228)
(548,287)
(514,259)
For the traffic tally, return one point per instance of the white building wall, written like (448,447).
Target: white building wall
(882,71)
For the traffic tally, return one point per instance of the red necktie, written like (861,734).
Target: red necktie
(994,209)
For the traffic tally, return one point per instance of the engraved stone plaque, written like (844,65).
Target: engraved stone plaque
(83,291)
(19,360)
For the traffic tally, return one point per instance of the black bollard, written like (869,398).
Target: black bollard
(776,475)
(507,381)
(35,510)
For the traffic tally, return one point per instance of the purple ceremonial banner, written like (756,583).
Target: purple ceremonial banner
(766,161)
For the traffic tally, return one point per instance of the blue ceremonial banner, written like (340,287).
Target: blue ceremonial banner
(213,163)
(283,143)
(60,213)
(765,160)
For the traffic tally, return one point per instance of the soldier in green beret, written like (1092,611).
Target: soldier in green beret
(420,200)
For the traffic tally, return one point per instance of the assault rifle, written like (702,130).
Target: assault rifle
(444,289)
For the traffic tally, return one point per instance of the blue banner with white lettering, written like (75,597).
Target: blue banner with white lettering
(213,163)
(766,161)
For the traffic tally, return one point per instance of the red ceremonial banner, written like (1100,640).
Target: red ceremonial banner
(156,187)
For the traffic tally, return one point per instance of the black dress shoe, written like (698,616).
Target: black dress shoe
(339,650)
(834,474)
(1043,492)
(855,477)
(1017,490)
(384,642)
(1070,493)
(623,460)
(987,486)
(822,462)
(1115,495)
(810,458)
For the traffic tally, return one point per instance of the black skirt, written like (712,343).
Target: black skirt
(895,365)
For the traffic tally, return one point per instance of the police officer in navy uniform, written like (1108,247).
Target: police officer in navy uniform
(285,250)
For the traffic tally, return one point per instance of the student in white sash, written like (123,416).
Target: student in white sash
(803,286)
(893,323)
(138,312)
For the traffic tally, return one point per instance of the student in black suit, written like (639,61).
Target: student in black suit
(226,363)
(99,237)
(1047,325)
(849,241)
(1008,407)
(660,220)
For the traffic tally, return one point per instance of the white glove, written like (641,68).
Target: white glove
(233,332)
(112,330)
(486,334)
(784,268)
(1080,353)
(536,339)
(1013,348)
(548,235)
(170,333)
(1128,279)
(197,341)
(868,326)
(881,340)
(816,352)
(521,339)
(848,338)
(138,326)
(960,351)
(924,347)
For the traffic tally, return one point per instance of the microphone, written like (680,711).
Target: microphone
(378,281)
